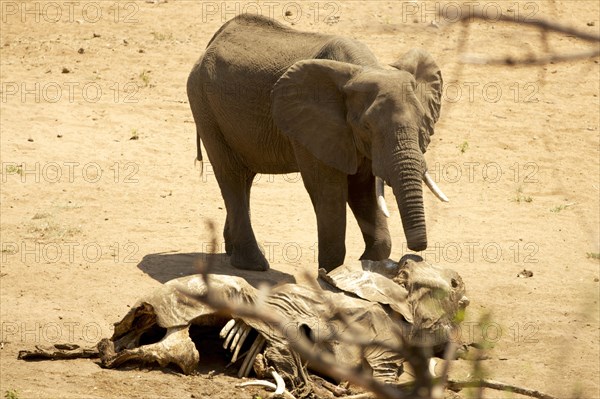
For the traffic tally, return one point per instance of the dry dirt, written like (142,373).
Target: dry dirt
(93,219)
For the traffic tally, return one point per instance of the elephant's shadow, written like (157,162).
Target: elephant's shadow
(165,266)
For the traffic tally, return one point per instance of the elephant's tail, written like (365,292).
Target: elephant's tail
(199,154)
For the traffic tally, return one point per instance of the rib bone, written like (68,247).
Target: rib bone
(227,328)
(241,342)
(255,349)
(232,333)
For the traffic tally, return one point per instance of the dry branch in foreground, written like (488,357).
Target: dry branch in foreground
(468,15)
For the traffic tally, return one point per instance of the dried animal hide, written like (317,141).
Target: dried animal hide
(422,299)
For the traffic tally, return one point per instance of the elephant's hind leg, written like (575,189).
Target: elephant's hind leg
(235,180)
(372,222)
(239,236)
(227,232)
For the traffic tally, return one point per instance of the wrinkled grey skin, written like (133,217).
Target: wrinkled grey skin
(422,299)
(270,99)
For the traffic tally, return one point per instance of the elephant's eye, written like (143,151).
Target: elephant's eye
(454,283)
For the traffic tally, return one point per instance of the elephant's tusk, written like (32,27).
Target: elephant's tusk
(379,189)
(434,188)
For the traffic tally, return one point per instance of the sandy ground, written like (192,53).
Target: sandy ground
(92,220)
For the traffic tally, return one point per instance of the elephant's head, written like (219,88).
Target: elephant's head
(343,113)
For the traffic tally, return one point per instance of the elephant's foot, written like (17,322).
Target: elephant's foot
(228,248)
(249,260)
(379,250)
(228,239)
(330,261)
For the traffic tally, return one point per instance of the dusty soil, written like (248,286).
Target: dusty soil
(101,201)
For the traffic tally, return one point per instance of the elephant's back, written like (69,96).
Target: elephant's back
(241,64)
(259,47)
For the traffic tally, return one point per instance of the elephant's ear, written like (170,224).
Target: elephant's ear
(308,106)
(429,88)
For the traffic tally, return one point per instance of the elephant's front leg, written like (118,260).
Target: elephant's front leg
(328,190)
(371,220)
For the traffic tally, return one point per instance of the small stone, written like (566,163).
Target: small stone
(141,51)
(96,35)
(66,70)
(30,140)
(81,50)
(591,23)
(288,13)
(59,135)
(525,274)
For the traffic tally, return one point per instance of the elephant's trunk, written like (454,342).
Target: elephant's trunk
(407,183)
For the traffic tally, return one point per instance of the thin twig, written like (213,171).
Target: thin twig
(530,60)
(469,14)
(457,385)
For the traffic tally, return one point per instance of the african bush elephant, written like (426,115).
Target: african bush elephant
(270,99)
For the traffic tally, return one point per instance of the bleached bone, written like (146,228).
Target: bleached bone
(280,383)
(256,347)
(258,383)
(239,345)
(232,334)
(227,328)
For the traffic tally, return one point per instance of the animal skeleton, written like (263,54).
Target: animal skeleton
(420,298)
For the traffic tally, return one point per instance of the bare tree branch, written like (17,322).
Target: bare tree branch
(469,15)
(456,385)
(530,60)
(472,14)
